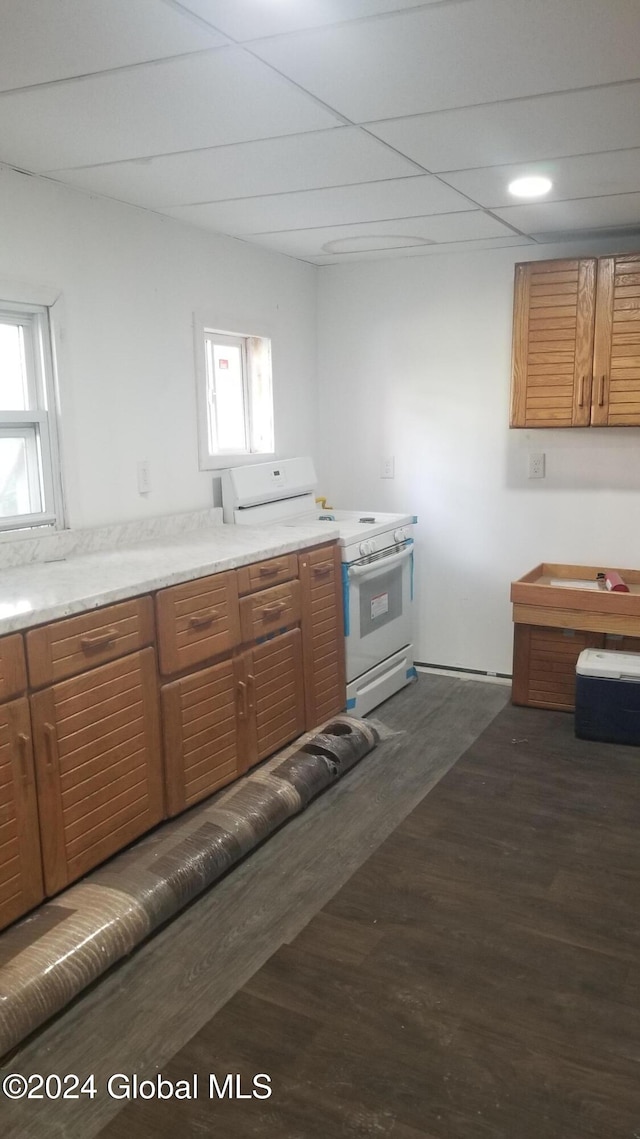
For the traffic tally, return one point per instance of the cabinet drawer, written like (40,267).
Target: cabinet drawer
(13,672)
(270,611)
(197,621)
(66,648)
(270,572)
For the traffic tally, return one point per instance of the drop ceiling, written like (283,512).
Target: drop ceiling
(334,130)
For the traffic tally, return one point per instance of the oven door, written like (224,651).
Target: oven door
(378,595)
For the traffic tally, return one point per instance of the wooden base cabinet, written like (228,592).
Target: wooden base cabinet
(544,665)
(201,733)
(323,633)
(20,869)
(98,764)
(275,694)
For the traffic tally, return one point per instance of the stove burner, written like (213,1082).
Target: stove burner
(367,518)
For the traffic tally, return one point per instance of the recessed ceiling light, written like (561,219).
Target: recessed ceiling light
(369,243)
(533,186)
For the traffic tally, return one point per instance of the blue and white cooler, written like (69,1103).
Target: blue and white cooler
(608,696)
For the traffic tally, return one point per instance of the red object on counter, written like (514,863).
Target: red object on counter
(615,583)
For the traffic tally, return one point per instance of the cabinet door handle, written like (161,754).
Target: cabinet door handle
(23,746)
(251,691)
(581,392)
(51,745)
(601,391)
(242,700)
(269,571)
(204,619)
(100,641)
(274,609)
(322,570)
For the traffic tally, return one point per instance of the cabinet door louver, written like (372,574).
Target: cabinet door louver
(323,634)
(99,764)
(201,734)
(554,315)
(616,395)
(20,870)
(277,692)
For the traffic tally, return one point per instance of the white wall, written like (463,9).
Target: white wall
(414,361)
(130,283)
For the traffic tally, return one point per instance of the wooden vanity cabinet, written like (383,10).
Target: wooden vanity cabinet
(576,343)
(322,633)
(21,885)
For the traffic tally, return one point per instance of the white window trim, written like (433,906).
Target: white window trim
(203,322)
(45,304)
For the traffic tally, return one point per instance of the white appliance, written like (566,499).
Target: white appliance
(377,570)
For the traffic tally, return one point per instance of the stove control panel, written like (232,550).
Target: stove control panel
(366,548)
(400,535)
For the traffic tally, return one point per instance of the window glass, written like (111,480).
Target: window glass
(14,393)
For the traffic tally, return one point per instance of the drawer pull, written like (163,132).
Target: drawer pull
(100,641)
(601,391)
(242,700)
(23,745)
(204,619)
(51,745)
(269,571)
(274,609)
(322,570)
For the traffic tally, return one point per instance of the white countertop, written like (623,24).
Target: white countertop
(45,591)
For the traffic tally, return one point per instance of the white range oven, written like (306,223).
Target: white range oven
(377,570)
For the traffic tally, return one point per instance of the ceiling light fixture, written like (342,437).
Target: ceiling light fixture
(533,186)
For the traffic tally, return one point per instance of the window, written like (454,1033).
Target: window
(235,396)
(30,491)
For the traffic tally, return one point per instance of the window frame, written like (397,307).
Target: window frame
(38,424)
(219,332)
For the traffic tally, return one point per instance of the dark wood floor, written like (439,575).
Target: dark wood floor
(138,1016)
(476,978)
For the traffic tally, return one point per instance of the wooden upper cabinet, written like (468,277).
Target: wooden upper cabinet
(616,365)
(576,343)
(553,331)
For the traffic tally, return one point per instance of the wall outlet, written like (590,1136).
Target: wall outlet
(387,467)
(144,477)
(536,465)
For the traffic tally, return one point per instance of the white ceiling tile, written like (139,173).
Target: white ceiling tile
(452,55)
(587,213)
(250,19)
(333,157)
(41,42)
(394,198)
(197,101)
(590,175)
(463,247)
(416,230)
(576,122)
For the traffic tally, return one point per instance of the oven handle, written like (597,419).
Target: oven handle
(375,569)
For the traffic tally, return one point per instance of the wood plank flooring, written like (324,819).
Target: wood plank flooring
(138,1016)
(476,978)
